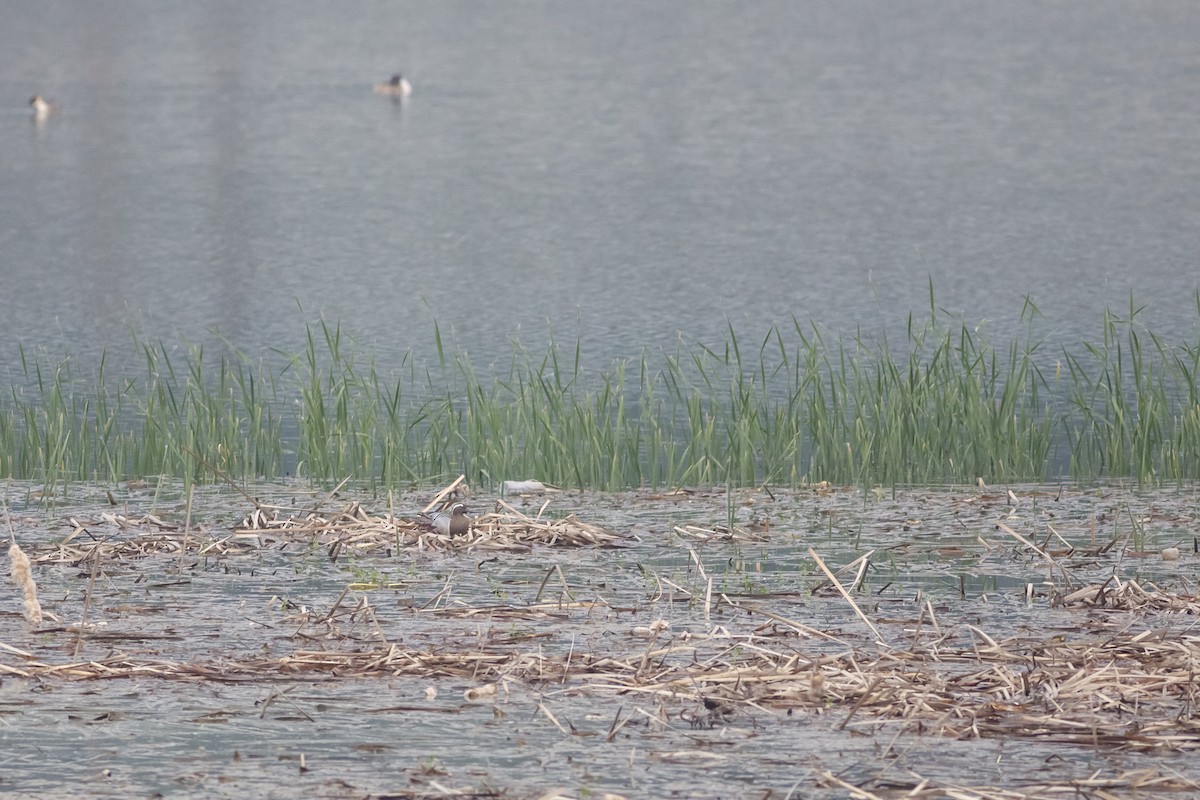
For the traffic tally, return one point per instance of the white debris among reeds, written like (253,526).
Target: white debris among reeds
(21,572)
(22,577)
(522,487)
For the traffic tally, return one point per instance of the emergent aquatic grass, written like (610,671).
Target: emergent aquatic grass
(946,406)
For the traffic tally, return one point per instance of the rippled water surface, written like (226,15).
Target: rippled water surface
(220,729)
(620,173)
(623,174)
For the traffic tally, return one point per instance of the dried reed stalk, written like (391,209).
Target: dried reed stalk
(22,577)
(443,494)
(21,572)
(837,584)
(1116,689)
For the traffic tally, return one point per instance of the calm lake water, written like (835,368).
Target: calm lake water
(622,173)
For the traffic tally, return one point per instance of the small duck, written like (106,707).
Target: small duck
(41,107)
(454,522)
(398,86)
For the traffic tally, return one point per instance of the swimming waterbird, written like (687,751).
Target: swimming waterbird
(41,107)
(398,86)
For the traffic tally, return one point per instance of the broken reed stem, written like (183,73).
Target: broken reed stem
(864,561)
(440,496)
(545,579)
(566,587)
(845,594)
(187,525)
(554,720)
(87,599)
(707,579)
(861,700)
(615,728)
(1027,543)
(798,626)
(332,494)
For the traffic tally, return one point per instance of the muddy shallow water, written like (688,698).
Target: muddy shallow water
(189,656)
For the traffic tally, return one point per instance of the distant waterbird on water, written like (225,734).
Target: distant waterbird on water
(398,86)
(42,108)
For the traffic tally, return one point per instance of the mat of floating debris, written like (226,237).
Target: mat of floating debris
(505,528)
(116,537)
(1117,595)
(1114,688)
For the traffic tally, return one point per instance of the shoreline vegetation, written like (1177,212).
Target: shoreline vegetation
(943,407)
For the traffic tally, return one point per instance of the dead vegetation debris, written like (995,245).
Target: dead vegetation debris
(1111,688)
(503,529)
(1123,679)
(112,536)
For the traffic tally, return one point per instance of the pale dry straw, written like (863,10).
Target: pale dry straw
(22,575)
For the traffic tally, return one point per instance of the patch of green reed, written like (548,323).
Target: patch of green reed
(942,406)
(1136,403)
(208,416)
(337,410)
(58,427)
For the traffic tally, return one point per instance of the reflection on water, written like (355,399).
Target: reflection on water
(619,173)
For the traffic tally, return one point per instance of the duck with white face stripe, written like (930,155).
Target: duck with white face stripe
(453,522)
